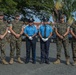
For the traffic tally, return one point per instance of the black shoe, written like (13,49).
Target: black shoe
(47,62)
(26,62)
(41,62)
(34,62)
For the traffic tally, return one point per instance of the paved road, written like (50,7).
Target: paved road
(38,69)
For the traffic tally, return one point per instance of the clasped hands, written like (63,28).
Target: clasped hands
(45,39)
(17,35)
(30,38)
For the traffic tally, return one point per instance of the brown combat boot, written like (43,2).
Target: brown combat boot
(11,61)
(4,62)
(20,61)
(67,61)
(74,63)
(57,61)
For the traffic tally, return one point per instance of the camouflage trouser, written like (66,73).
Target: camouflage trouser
(65,44)
(2,48)
(8,37)
(73,44)
(15,44)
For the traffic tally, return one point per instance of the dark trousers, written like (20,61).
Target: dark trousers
(44,50)
(31,45)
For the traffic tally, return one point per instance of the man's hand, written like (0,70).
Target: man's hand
(7,29)
(75,36)
(17,35)
(61,37)
(30,38)
(44,39)
(1,36)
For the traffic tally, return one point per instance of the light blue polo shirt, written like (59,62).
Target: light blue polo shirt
(48,30)
(30,30)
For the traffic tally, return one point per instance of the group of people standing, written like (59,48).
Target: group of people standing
(45,31)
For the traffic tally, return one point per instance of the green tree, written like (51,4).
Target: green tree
(69,8)
(8,6)
(39,7)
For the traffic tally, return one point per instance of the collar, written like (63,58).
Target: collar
(30,25)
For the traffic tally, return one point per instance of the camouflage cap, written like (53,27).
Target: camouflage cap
(62,16)
(17,14)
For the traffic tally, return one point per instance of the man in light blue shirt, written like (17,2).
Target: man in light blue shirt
(48,30)
(45,32)
(30,32)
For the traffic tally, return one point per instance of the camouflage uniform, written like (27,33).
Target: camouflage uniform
(9,33)
(73,43)
(62,28)
(2,41)
(14,42)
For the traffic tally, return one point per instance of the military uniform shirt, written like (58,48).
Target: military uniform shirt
(73,28)
(62,29)
(9,25)
(2,28)
(17,27)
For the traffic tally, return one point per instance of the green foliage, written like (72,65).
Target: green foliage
(8,6)
(39,7)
